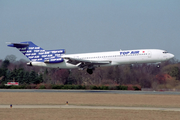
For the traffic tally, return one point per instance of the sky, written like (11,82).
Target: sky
(83,26)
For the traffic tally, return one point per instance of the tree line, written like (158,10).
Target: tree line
(18,75)
(145,75)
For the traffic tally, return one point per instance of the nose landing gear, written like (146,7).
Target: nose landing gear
(158,66)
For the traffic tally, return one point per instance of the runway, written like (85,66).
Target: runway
(93,91)
(88,107)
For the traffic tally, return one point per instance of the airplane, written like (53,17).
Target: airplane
(89,61)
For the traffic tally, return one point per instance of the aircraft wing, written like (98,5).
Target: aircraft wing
(81,63)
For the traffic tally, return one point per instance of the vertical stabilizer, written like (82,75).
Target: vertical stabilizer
(36,54)
(29,49)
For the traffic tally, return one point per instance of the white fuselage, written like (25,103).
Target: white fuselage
(116,58)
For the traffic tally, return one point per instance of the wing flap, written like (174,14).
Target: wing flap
(82,63)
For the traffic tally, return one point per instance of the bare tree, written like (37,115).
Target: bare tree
(11,58)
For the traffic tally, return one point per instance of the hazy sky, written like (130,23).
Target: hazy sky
(81,26)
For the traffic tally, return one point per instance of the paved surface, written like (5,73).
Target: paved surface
(93,91)
(89,107)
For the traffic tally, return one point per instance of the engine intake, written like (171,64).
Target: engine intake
(29,64)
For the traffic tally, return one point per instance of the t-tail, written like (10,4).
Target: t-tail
(37,54)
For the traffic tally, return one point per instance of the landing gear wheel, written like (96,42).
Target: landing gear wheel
(90,71)
(158,66)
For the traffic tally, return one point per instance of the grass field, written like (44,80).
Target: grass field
(85,114)
(90,99)
(94,99)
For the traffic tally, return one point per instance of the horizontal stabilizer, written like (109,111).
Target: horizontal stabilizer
(17,44)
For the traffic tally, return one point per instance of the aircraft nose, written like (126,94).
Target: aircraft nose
(171,56)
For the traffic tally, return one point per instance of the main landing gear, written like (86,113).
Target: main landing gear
(90,71)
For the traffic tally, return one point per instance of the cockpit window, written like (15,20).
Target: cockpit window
(165,52)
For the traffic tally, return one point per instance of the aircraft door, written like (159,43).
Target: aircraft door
(149,54)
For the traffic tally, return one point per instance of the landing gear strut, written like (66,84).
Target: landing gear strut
(90,71)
